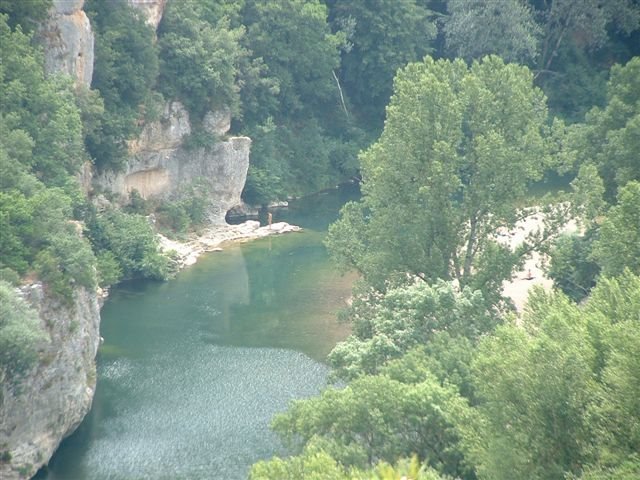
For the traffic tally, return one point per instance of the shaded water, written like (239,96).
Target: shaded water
(192,370)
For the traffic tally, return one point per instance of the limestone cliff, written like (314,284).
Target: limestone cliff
(152,10)
(160,165)
(53,398)
(68,40)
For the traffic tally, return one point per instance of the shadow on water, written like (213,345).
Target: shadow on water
(192,370)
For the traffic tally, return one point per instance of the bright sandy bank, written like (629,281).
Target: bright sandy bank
(531,274)
(213,237)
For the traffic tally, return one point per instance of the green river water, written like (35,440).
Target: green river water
(192,370)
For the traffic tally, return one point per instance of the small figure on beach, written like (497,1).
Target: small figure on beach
(529,275)
(269,218)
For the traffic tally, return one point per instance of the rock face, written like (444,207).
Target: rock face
(54,397)
(151,10)
(68,41)
(159,165)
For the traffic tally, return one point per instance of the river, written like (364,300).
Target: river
(192,370)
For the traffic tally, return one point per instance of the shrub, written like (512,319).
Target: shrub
(20,334)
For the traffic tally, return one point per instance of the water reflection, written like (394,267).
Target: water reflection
(192,370)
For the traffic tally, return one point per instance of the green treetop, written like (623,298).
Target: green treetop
(459,148)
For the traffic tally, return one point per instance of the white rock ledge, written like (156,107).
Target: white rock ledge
(213,237)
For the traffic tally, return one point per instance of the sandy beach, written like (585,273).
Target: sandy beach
(531,273)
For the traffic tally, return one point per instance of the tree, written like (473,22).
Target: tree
(379,418)
(459,148)
(28,15)
(125,71)
(383,36)
(571,267)
(506,28)
(200,58)
(610,136)
(560,392)
(20,334)
(315,464)
(535,386)
(294,40)
(618,246)
(586,21)
(387,326)
(132,242)
(39,120)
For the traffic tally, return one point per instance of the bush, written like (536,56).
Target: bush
(132,243)
(20,334)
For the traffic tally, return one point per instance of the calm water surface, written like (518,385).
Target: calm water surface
(192,370)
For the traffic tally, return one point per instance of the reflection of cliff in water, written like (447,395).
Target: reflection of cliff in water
(226,295)
(265,301)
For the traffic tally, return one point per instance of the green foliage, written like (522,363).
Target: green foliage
(627,470)
(610,137)
(563,20)
(459,148)
(315,464)
(618,245)
(378,418)
(125,71)
(295,42)
(20,334)
(571,267)
(387,326)
(28,14)
(108,268)
(535,387)
(370,63)
(40,122)
(67,261)
(506,28)
(561,392)
(200,58)
(131,241)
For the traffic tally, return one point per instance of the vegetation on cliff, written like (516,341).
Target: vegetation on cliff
(49,229)
(438,366)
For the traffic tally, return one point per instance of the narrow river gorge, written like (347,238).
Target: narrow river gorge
(192,370)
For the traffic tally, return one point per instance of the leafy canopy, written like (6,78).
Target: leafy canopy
(460,146)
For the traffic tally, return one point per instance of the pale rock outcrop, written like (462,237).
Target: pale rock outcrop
(212,238)
(51,400)
(160,166)
(152,10)
(68,41)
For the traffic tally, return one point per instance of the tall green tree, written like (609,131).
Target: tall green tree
(28,15)
(588,22)
(460,146)
(379,418)
(610,136)
(618,246)
(560,392)
(200,56)
(295,42)
(40,122)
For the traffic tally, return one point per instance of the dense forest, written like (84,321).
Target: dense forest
(448,111)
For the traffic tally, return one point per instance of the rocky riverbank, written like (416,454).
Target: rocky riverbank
(213,239)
